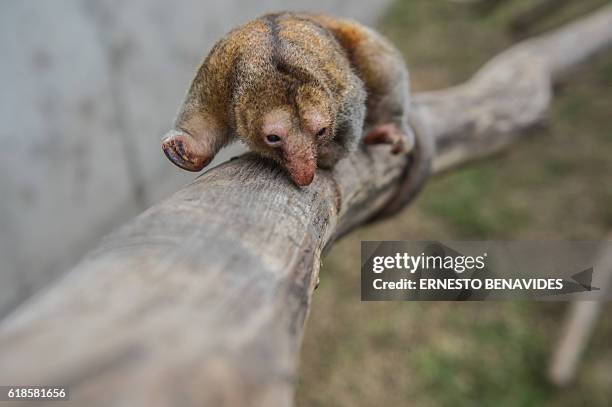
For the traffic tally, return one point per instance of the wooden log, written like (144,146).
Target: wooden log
(202,299)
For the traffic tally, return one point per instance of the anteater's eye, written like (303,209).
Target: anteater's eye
(322,132)
(273,139)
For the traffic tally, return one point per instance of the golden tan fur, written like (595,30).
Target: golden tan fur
(295,88)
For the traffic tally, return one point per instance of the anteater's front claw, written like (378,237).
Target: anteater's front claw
(390,133)
(179,148)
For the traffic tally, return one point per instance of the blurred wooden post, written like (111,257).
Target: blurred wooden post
(579,326)
(202,299)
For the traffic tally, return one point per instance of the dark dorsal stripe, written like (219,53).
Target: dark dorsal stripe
(280,63)
(271,21)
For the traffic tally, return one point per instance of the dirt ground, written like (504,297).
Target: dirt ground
(554,184)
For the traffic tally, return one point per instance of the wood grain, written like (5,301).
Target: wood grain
(203,298)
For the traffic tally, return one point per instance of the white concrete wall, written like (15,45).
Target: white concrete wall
(86,90)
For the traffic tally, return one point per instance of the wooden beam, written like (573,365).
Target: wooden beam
(202,299)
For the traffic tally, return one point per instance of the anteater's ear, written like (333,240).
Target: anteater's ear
(185,151)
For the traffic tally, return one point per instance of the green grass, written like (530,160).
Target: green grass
(556,183)
(477,373)
(473,207)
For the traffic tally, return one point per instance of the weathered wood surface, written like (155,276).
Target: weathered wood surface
(202,299)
